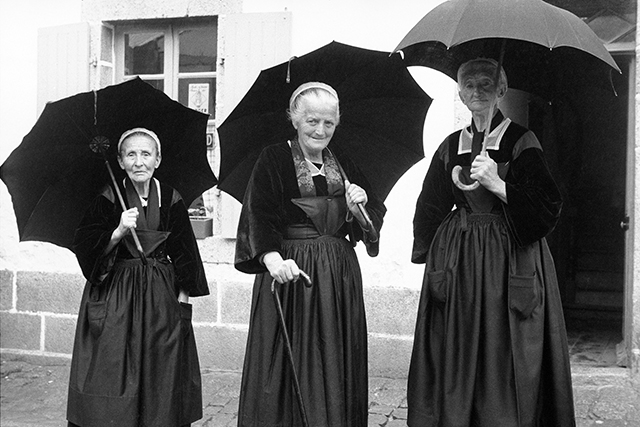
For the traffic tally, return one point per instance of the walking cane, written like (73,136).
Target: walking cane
(296,382)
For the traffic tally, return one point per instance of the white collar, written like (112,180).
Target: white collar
(314,169)
(493,139)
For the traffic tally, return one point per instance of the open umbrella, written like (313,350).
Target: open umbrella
(382,114)
(546,49)
(59,167)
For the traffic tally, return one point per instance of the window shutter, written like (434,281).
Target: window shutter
(249,42)
(63,62)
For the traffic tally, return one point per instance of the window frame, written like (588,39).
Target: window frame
(170,28)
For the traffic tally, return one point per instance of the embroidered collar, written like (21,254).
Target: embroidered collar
(305,176)
(493,140)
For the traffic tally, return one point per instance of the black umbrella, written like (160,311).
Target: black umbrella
(55,173)
(382,114)
(546,50)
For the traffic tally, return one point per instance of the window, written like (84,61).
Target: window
(178,57)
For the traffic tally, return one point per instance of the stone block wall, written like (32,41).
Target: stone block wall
(38,312)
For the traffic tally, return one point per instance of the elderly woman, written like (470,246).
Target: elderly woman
(297,210)
(490,345)
(134,359)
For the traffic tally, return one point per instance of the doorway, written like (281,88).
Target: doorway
(585,135)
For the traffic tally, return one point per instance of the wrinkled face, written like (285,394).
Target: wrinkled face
(316,126)
(139,157)
(478,92)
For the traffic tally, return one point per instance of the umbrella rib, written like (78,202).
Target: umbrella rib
(77,126)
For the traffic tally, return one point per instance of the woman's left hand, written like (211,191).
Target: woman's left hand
(354,195)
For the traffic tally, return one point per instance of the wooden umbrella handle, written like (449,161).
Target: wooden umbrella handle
(455,177)
(124,208)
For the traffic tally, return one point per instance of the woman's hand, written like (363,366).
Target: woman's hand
(183,296)
(485,170)
(354,195)
(128,220)
(283,270)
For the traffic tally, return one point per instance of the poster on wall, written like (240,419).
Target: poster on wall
(199,97)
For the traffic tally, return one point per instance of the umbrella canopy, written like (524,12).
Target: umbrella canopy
(382,114)
(546,49)
(54,174)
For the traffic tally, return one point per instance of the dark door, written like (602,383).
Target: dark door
(584,135)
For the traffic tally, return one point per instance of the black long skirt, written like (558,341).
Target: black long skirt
(135,361)
(490,347)
(326,324)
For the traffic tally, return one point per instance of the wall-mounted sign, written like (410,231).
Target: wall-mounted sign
(199,97)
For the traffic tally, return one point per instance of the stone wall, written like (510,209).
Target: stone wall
(38,312)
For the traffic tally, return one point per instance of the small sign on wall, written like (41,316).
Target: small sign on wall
(199,97)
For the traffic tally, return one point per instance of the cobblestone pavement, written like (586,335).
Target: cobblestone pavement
(33,394)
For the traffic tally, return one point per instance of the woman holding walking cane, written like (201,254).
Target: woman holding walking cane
(298,209)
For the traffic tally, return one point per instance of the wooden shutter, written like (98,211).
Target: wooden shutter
(63,62)
(248,43)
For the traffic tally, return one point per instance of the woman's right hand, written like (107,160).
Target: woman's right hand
(128,220)
(282,270)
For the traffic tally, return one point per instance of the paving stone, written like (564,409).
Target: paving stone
(35,395)
(399,414)
(381,409)
(396,423)
(231,407)
(376,420)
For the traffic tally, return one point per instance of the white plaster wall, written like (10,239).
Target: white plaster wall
(19,23)
(372,24)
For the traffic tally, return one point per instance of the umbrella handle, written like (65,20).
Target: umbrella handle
(371,232)
(289,350)
(455,177)
(124,207)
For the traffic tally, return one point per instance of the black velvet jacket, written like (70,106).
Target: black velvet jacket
(267,208)
(534,200)
(180,247)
